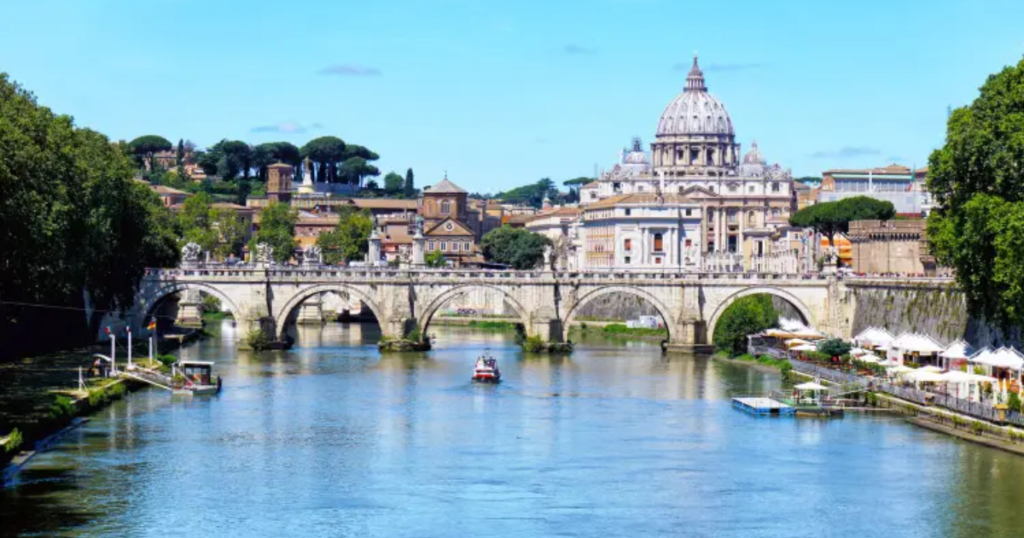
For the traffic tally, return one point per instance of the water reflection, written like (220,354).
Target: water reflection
(331,438)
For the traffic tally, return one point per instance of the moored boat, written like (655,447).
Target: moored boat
(196,378)
(486,370)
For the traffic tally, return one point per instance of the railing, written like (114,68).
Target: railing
(401,273)
(982,410)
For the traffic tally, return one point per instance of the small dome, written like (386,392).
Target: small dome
(695,111)
(754,156)
(636,155)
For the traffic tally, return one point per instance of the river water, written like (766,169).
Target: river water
(332,439)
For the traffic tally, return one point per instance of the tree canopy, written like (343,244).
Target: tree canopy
(72,221)
(393,185)
(978,187)
(830,218)
(269,153)
(409,189)
(145,146)
(326,152)
(532,194)
(349,240)
(747,315)
(277,229)
(517,247)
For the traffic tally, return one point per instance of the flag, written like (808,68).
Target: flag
(128,330)
(152,325)
(107,329)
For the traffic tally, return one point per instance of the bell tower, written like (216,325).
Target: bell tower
(279,182)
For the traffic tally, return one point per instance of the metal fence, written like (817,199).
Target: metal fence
(981,410)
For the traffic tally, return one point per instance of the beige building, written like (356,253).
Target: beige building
(744,202)
(895,246)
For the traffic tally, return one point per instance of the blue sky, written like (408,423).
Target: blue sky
(502,93)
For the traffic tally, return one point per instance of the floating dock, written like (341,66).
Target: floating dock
(763,406)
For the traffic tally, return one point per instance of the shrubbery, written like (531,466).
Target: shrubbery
(14,441)
(258,339)
(63,407)
(746,316)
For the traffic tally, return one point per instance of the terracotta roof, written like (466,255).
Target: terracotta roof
(229,205)
(384,203)
(165,190)
(521,219)
(445,187)
(592,184)
(640,198)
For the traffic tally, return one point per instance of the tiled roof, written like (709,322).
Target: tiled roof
(445,187)
(384,203)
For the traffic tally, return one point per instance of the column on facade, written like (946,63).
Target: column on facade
(740,238)
(723,232)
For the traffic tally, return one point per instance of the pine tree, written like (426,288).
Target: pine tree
(410,190)
(181,152)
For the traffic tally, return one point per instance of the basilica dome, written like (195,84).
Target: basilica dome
(695,111)
(754,156)
(636,155)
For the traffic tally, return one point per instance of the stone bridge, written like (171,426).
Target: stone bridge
(545,302)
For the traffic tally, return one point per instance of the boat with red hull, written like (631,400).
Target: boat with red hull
(486,371)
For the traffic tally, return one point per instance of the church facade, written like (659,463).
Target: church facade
(695,202)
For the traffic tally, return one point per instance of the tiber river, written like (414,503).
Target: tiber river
(332,439)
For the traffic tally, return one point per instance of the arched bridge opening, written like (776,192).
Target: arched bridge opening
(473,305)
(757,302)
(619,304)
(308,315)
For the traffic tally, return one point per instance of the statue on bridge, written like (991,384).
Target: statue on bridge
(312,256)
(190,253)
(264,254)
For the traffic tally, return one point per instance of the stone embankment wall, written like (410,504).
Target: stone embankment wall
(939,312)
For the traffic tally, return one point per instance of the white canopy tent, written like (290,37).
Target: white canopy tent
(1004,363)
(804,347)
(797,342)
(965,385)
(873,337)
(914,345)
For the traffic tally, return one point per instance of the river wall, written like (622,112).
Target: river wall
(938,310)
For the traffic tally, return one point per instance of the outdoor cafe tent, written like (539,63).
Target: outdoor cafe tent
(1001,358)
(956,351)
(810,385)
(796,342)
(804,347)
(899,370)
(873,337)
(914,345)
(966,385)
(858,351)
(870,357)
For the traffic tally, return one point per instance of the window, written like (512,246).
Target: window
(751,189)
(431,246)
(639,188)
(658,243)
(628,245)
(465,246)
(627,260)
(446,207)
(775,187)
(689,212)
(455,247)
(657,261)
(751,219)
(593,195)
(444,246)
(689,242)
(732,188)
(629,211)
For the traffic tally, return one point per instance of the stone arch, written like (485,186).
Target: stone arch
(427,314)
(150,299)
(663,310)
(805,312)
(281,321)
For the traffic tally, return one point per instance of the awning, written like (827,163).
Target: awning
(957,350)
(796,342)
(916,343)
(1001,358)
(804,347)
(810,385)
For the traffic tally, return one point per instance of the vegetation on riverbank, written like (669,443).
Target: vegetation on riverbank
(493,325)
(620,330)
(782,365)
(746,316)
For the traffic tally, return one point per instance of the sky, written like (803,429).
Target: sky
(502,93)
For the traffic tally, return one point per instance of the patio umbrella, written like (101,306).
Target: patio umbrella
(796,342)
(810,385)
(804,347)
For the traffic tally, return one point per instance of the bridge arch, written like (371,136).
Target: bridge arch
(444,297)
(664,311)
(281,321)
(793,300)
(150,299)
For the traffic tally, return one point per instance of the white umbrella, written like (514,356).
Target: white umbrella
(796,342)
(804,347)
(869,358)
(810,385)
(858,351)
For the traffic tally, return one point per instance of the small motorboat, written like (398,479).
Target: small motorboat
(196,377)
(486,371)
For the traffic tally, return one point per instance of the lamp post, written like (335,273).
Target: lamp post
(129,331)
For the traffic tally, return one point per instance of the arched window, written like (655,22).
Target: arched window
(446,207)
(751,219)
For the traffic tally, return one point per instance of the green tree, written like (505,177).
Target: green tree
(269,153)
(349,240)
(517,247)
(326,152)
(356,165)
(393,185)
(409,187)
(745,316)
(180,154)
(227,159)
(277,229)
(73,224)
(145,146)
(978,187)
(830,218)
(532,194)
(834,347)
(230,231)
(435,259)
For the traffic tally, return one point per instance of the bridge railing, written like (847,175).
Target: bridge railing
(404,273)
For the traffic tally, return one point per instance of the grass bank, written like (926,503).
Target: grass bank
(619,330)
(763,363)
